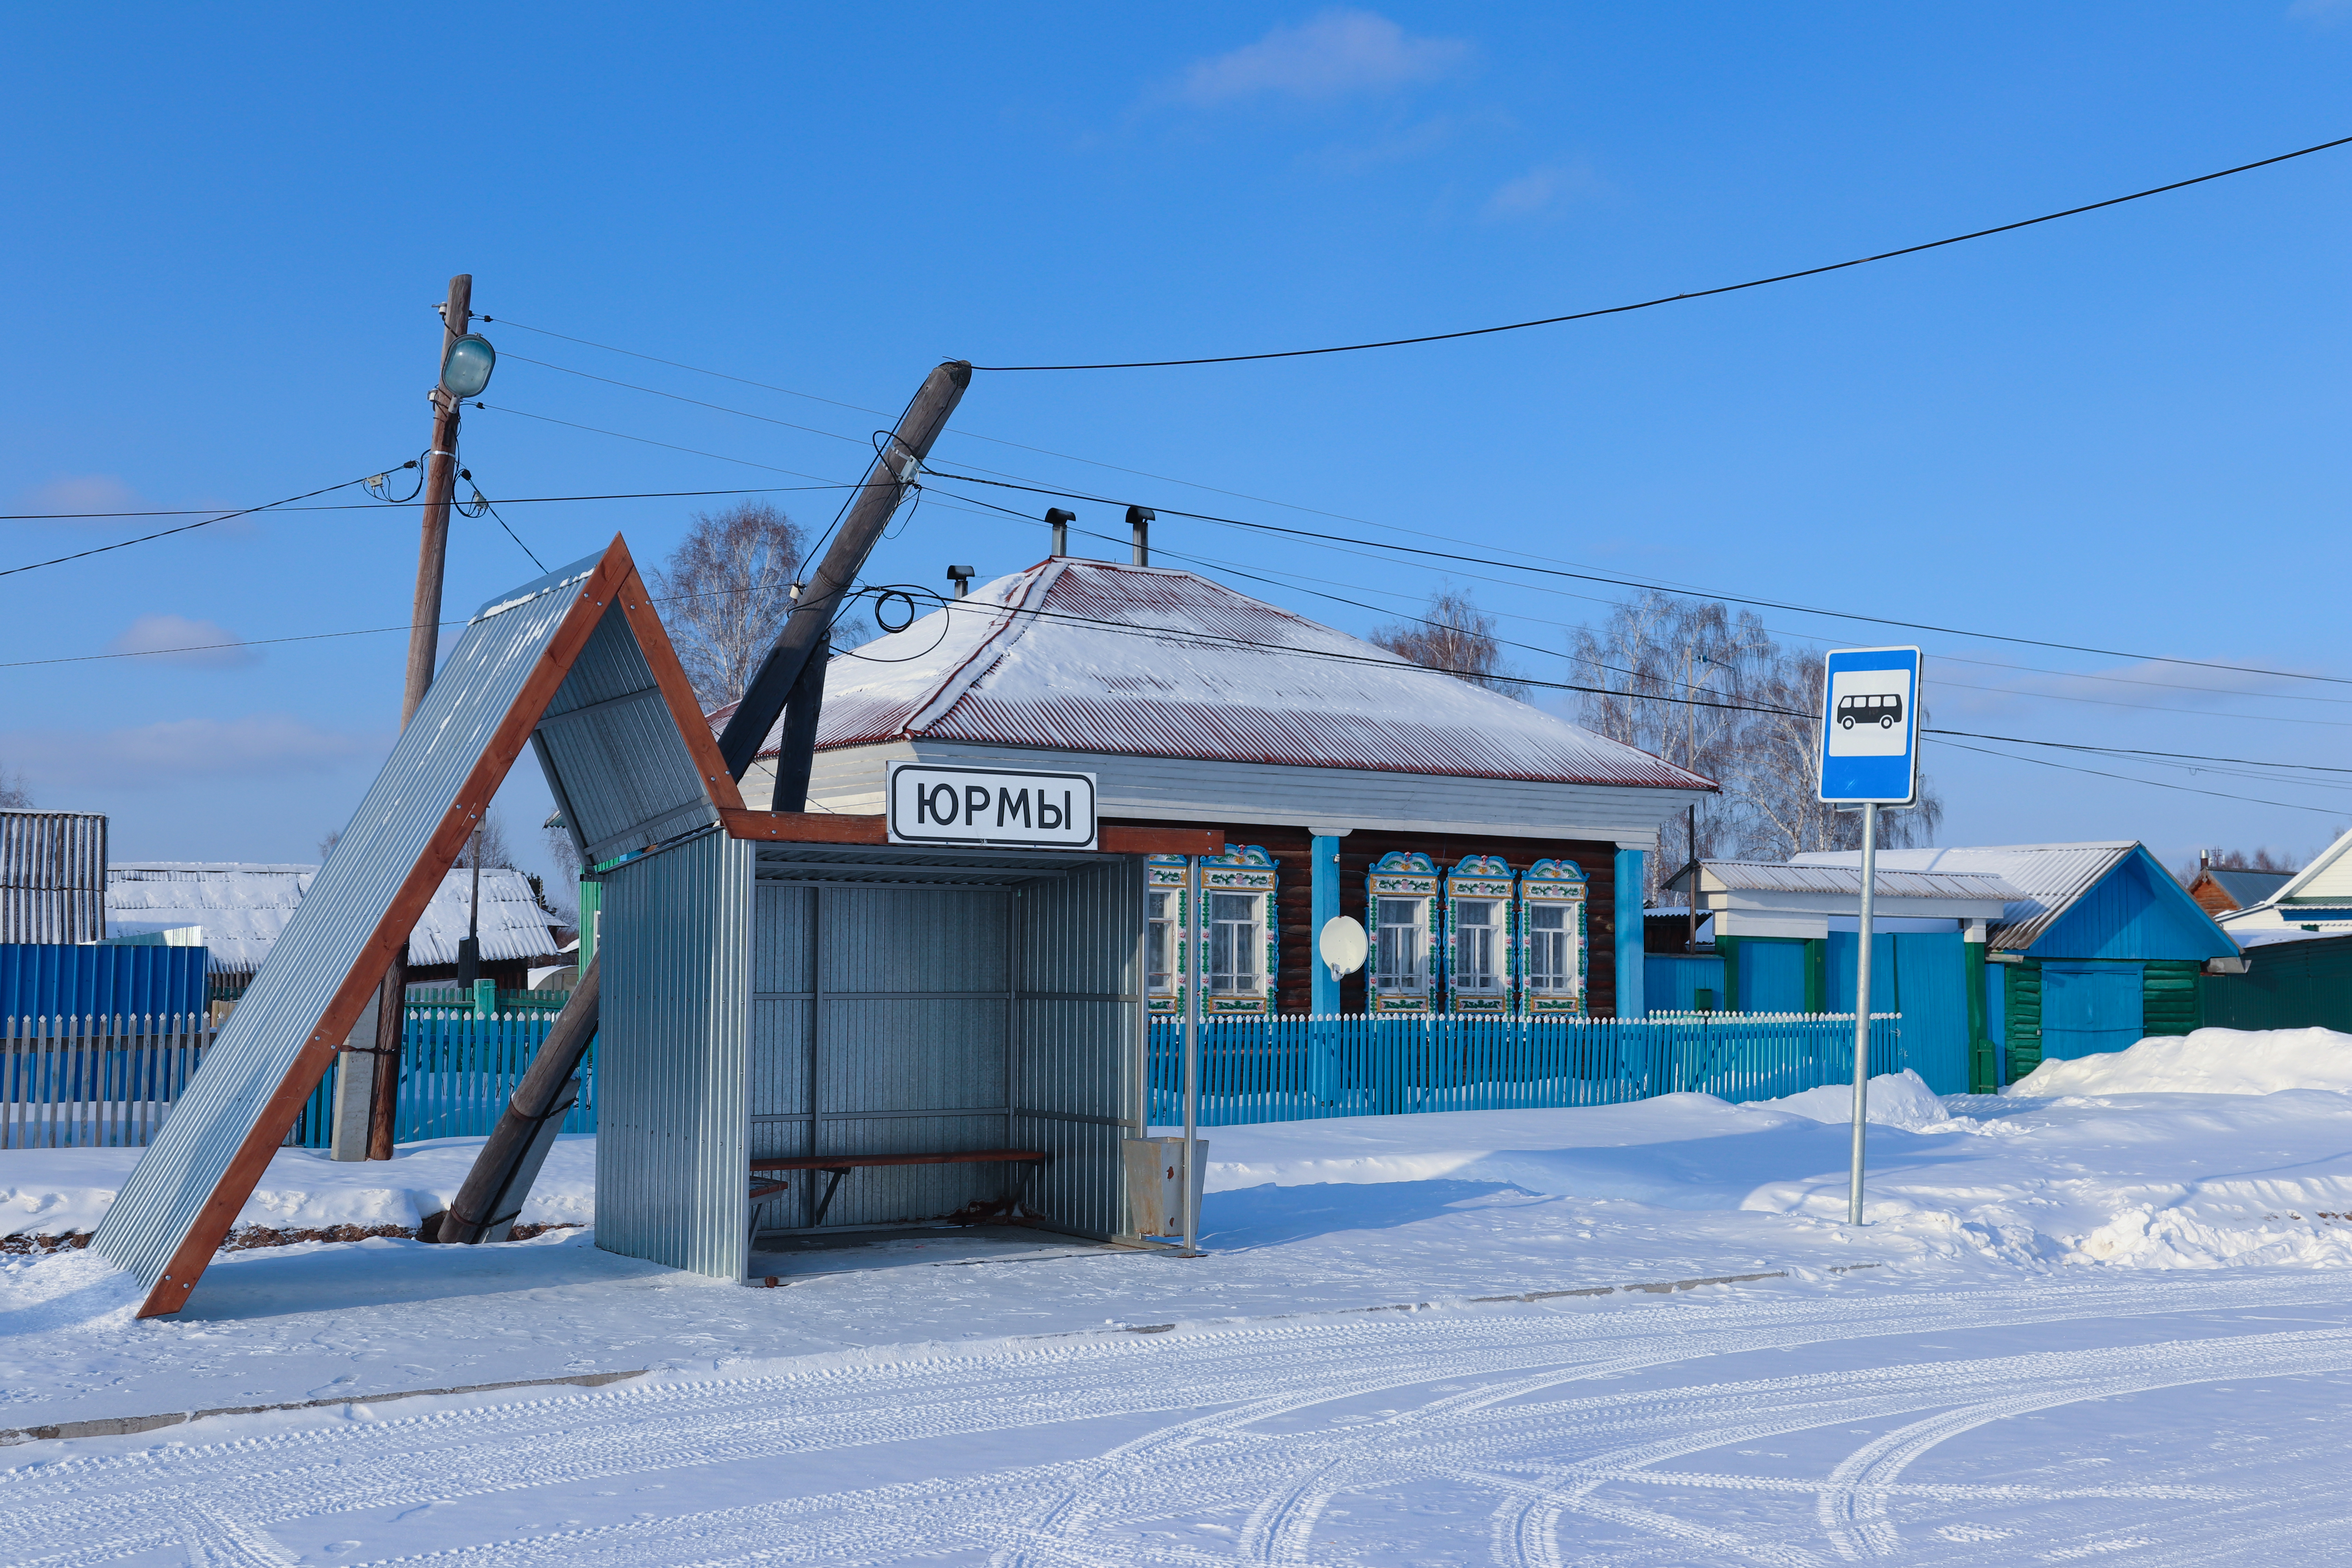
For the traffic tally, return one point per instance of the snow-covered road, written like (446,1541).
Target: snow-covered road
(2150,1419)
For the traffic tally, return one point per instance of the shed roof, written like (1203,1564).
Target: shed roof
(2050,880)
(2245,889)
(1094,655)
(243,907)
(1809,876)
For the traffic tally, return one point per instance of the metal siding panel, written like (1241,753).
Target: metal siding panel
(1078,1022)
(914,940)
(916,1053)
(52,877)
(385,840)
(1772,976)
(622,769)
(671,1134)
(781,920)
(1931,979)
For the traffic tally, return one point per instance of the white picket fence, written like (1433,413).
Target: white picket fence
(95,1082)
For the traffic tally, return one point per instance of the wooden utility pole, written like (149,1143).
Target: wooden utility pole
(424,647)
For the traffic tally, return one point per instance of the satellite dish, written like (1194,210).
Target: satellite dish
(1342,945)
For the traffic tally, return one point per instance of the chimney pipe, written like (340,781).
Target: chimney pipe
(1139,521)
(1061,521)
(961,577)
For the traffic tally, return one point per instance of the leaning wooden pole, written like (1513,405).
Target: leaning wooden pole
(503,1172)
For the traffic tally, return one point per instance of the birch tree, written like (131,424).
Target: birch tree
(1453,634)
(726,592)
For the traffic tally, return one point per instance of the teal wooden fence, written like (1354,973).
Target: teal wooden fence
(1298,1067)
(457,1067)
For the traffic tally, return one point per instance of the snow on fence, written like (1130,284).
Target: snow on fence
(96,1081)
(1298,1067)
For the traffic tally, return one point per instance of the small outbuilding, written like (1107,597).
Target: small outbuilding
(2099,947)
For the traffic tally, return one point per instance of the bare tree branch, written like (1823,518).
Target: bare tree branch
(727,591)
(1455,636)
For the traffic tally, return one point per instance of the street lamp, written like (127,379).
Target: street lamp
(465,368)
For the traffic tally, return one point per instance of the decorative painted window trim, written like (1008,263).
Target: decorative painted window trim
(1555,883)
(1247,869)
(1488,878)
(1402,875)
(1173,875)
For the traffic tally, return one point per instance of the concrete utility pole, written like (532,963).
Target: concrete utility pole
(892,474)
(423,645)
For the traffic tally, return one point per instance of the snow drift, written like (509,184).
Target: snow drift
(2209,1061)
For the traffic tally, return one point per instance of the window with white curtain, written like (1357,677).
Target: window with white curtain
(1551,957)
(1398,955)
(1236,943)
(1478,931)
(1159,942)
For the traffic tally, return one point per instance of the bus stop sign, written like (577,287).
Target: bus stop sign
(1870,726)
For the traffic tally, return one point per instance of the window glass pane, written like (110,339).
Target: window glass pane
(1475,913)
(1235,933)
(1232,906)
(1548,917)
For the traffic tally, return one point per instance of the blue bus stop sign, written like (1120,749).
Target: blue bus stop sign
(1870,726)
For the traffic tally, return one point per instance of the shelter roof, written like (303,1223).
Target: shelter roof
(243,907)
(1095,656)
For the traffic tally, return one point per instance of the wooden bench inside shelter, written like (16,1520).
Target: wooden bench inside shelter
(840,1165)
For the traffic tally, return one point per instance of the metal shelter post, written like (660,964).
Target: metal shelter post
(1190,1195)
(1862,1005)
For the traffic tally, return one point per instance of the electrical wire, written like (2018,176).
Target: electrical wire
(676,398)
(184,528)
(2152,784)
(1627,583)
(1694,294)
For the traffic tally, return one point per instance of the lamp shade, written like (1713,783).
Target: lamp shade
(467,369)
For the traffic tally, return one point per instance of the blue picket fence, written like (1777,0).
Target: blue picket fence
(1298,1068)
(458,1069)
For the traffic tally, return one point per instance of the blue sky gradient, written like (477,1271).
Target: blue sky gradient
(2125,430)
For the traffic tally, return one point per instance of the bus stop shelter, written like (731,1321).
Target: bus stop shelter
(778,987)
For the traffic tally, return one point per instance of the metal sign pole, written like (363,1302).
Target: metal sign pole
(1188,1196)
(1862,1005)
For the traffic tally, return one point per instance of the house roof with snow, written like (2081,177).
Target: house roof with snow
(2106,899)
(2315,901)
(1788,876)
(1100,657)
(2243,889)
(241,908)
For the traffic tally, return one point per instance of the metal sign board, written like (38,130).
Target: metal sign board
(1870,726)
(1001,808)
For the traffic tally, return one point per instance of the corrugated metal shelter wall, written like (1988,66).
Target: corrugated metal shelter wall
(611,750)
(913,1044)
(52,877)
(784,1040)
(50,980)
(2169,998)
(1078,1007)
(671,1053)
(2287,985)
(1931,977)
(387,840)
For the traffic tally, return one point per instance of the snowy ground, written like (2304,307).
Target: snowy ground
(2100,1325)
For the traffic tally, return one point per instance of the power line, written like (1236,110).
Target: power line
(649,441)
(1694,294)
(697,402)
(184,528)
(2152,784)
(1629,582)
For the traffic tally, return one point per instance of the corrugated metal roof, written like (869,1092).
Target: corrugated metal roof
(2247,889)
(189,1183)
(242,908)
(1807,876)
(52,876)
(1093,656)
(2048,877)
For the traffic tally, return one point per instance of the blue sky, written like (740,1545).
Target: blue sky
(2126,430)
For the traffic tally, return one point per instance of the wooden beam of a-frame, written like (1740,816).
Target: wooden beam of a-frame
(212,1222)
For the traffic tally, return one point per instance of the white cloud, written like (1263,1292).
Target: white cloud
(1333,54)
(1540,189)
(177,639)
(79,493)
(259,745)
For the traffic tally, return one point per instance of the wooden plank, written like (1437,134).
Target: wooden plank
(830,827)
(861,1161)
